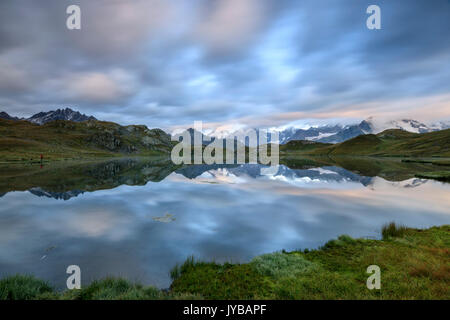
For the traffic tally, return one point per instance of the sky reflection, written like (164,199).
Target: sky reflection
(226,214)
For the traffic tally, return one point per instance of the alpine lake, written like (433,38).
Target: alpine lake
(138,217)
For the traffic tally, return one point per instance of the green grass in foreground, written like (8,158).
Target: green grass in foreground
(24,287)
(21,287)
(415,264)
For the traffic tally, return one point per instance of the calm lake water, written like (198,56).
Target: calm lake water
(138,220)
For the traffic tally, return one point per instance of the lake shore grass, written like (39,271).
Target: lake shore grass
(414,264)
(27,158)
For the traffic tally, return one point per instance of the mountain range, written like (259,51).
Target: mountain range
(390,142)
(331,133)
(338,133)
(45,117)
(325,134)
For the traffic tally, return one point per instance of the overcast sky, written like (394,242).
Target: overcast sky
(227,62)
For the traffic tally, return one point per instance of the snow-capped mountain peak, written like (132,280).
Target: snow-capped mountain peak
(441,125)
(371,125)
(410,125)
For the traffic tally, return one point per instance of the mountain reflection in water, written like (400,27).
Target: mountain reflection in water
(137,218)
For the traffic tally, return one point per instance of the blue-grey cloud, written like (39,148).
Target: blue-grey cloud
(167,63)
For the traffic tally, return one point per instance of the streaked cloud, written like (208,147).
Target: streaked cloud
(226,62)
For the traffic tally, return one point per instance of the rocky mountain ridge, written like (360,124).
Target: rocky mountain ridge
(45,117)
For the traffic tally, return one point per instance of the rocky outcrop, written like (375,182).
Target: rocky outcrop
(129,139)
(113,137)
(105,140)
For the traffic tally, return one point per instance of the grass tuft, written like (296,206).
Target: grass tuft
(339,242)
(280,265)
(114,289)
(189,264)
(218,281)
(392,230)
(23,287)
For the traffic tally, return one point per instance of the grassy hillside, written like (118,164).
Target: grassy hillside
(397,143)
(24,141)
(304,146)
(414,264)
(391,142)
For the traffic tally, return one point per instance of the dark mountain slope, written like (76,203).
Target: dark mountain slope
(5,116)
